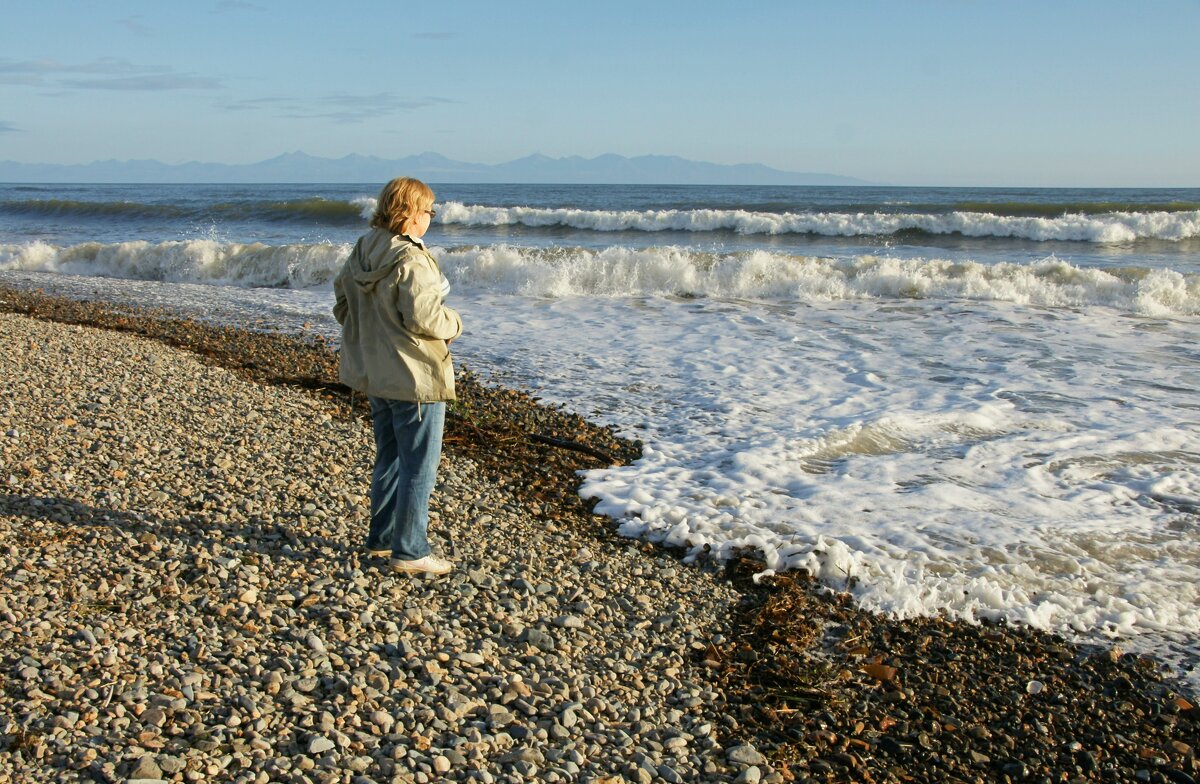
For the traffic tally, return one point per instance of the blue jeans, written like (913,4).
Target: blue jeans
(408,445)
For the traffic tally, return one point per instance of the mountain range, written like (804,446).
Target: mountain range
(435,168)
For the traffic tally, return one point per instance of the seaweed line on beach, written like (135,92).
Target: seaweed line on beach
(828,691)
(841,691)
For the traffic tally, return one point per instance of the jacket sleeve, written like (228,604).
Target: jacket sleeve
(340,307)
(339,304)
(419,300)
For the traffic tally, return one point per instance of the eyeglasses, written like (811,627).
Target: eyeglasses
(431,212)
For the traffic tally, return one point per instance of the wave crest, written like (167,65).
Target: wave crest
(1172,222)
(190,261)
(672,271)
(1107,228)
(633,272)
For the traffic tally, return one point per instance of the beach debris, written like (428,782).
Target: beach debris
(880,672)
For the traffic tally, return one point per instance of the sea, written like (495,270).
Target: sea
(978,402)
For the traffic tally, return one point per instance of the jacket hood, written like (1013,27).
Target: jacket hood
(378,253)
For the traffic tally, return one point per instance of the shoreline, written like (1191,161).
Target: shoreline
(792,681)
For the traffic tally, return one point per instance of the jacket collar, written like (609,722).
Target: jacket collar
(413,240)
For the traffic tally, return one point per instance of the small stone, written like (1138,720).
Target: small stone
(145,768)
(306,684)
(383,720)
(979,732)
(171,765)
(745,755)
(751,775)
(1015,769)
(538,639)
(154,717)
(675,744)
(320,744)
(569,622)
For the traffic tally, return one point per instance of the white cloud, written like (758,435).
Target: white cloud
(338,107)
(234,6)
(108,65)
(135,27)
(107,73)
(146,83)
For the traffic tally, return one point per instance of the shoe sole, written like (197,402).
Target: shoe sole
(409,570)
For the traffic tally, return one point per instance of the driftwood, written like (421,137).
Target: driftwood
(495,437)
(574,446)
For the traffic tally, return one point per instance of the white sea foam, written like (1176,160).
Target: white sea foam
(623,272)
(981,459)
(1110,228)
(366,206)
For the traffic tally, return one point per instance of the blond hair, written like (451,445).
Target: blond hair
(401,199)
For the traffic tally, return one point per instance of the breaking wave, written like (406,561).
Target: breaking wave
(632,272)
(1108,223)
(187,261)
(1105,228)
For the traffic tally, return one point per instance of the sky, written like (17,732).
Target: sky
(1070,93)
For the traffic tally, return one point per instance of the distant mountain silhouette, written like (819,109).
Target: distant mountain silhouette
(300,167)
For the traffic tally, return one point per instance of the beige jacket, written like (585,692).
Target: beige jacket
(395,326)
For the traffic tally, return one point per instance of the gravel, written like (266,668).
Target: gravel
(186,597)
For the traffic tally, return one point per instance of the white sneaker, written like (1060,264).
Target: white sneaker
(430,564)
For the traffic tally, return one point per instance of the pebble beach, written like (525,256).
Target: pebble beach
(185,597)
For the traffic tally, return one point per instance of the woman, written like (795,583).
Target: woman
(396,333)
